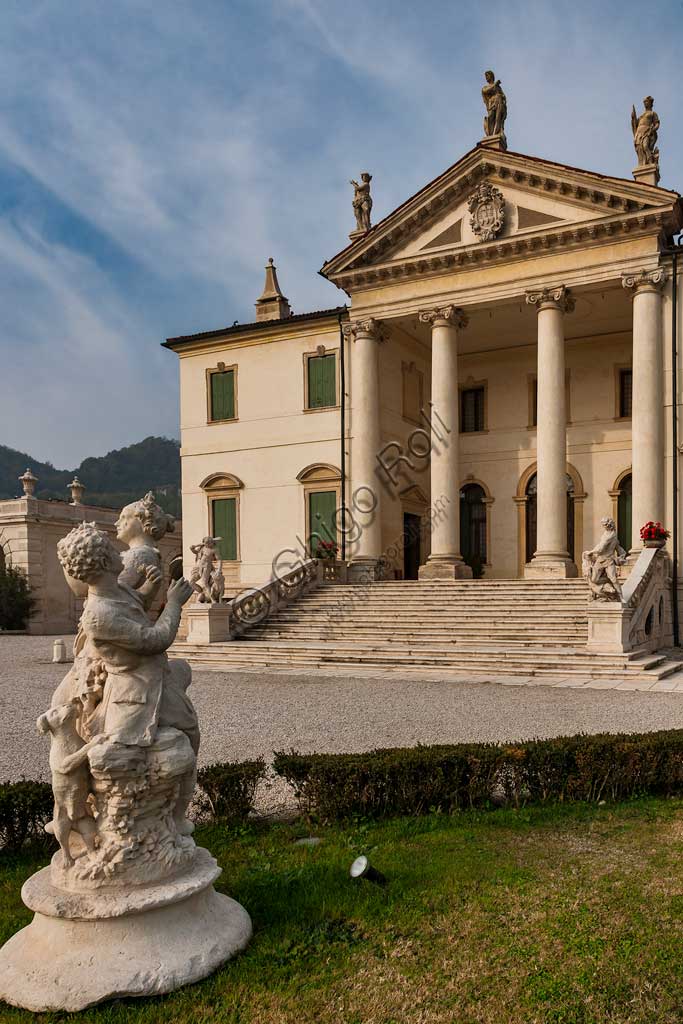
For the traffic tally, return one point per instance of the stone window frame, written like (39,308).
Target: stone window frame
(618,367)
(210,371)
(406,370)
(224,485)
(531,389)
(322,350)
(470,385)
(317,478)
(520,500)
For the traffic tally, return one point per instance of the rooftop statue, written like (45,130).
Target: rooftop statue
(645,128)
(601,564)
(362,201)
(127,906)
(206,577)
(496,107)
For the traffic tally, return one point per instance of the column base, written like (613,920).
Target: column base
(207,623)
(550,567)
(444,569)
(365,570)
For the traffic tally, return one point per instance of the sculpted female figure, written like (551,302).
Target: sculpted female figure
(496,105)
(362,201)
(645,130)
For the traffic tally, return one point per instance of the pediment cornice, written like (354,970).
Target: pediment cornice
(618,207)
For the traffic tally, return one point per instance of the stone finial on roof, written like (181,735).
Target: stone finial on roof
(29,482)
(271,303)
(77,489)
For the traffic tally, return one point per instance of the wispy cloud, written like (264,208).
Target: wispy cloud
(153,156)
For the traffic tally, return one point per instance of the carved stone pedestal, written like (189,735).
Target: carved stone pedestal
(647,174)
(365,570)
(83,948)
(207,623)
(497,141)
(609,625)
(550,568)
(440,569)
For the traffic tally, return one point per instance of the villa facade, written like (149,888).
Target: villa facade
(497,381)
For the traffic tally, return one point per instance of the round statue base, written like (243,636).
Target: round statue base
(177,934)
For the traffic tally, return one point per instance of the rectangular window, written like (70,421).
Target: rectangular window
(224,525)
(322,507)
(413,392)
(625,392)
(222,395)
(322,381)
(471,410)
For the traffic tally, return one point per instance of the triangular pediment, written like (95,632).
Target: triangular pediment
(495,204)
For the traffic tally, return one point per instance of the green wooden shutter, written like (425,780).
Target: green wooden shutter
(322,381)
(225,526)
(322,506)
(223,395)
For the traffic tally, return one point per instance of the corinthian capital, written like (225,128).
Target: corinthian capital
(369,328)
(652,280)
(551,298)
(450,316)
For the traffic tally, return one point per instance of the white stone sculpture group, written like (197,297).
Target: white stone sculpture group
(127,906)
(207,578)
(601,565)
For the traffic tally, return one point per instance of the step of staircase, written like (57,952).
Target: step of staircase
(534,628)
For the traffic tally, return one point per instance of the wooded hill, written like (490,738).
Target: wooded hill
(110,480)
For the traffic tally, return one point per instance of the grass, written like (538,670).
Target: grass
(555,915)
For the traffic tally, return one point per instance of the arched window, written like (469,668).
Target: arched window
(473,525)
(223,500)
(525,500)
(532,521)
(621,495)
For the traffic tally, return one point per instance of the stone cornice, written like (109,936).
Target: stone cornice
(639,280)
(551,298)
(445,316)
(504,250)
(370,328)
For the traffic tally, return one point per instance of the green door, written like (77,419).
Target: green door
(624,522)
(322,507)
(224,525)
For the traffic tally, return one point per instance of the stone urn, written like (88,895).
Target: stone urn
(658,542)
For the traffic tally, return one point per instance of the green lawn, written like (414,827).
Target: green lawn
(570,915)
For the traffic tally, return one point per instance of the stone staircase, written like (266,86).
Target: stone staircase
(503,627)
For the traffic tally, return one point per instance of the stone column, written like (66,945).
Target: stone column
(551,558)
(647,417)
(445,561)
(365,503)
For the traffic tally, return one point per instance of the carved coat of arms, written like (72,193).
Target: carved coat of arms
(487,207)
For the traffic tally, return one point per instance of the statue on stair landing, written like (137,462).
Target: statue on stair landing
(601,565)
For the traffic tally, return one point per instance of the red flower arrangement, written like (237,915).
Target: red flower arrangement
(326,549)
(653,531)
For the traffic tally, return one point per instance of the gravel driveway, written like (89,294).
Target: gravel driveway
(247,713)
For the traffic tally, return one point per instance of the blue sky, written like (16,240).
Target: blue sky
(154,154)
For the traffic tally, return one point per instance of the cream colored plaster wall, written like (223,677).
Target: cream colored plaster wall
(273,440)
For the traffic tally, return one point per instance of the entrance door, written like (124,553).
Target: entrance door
(531,517)
(411,548)
(322,507)
(624,521)
(473,527)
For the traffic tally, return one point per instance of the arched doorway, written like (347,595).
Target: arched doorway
(527,514)
(621,495)
(473,540)
(532,522)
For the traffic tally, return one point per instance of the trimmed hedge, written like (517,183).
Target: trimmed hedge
(25,809)
(228,789)
(382,783)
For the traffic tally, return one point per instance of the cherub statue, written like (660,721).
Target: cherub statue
(138,525)
(496,106)
(362,201)
(206,577)
(601,564)
(645,130)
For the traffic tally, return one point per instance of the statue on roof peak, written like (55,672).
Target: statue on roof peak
(496,107)
(644,128)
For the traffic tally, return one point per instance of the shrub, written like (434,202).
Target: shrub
(25,809)
(228,789)
(382,783)
(16,601)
